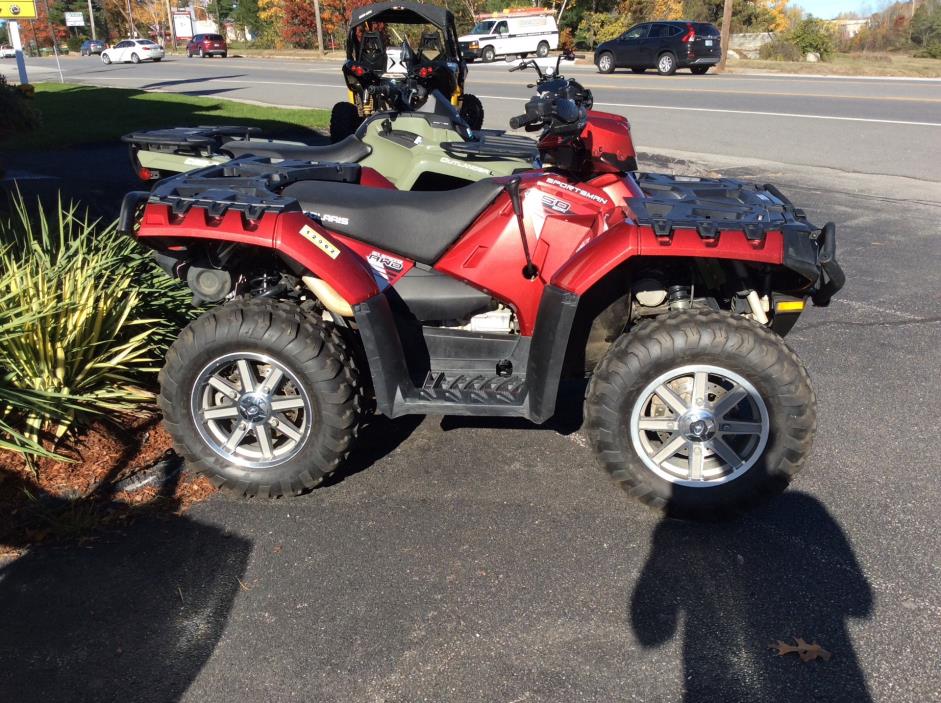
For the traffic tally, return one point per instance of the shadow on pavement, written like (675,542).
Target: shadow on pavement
(186,81)
(736,591)
(131,616)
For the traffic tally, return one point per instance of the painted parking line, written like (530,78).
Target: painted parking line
(635,106)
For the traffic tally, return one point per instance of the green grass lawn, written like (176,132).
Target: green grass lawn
(855,64)
(75,114)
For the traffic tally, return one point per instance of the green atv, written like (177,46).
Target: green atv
(413,150)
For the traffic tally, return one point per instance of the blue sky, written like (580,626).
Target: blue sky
(827,9)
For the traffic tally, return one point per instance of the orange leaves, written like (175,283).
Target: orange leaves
(807,652)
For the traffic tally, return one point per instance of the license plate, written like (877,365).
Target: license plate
(709,42)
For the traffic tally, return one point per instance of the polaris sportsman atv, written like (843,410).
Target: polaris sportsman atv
(673,293)
(383,77)
(414,151)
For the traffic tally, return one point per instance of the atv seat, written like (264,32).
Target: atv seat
(419,225)
(347,150)
(430,47)
(372,52)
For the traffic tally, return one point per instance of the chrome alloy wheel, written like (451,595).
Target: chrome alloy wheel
(665,63)
(251,410)
(699,426)
(605,62)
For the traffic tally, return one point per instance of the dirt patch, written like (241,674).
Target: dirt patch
(74,500)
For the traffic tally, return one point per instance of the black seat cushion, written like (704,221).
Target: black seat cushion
(419,225)
(346,150)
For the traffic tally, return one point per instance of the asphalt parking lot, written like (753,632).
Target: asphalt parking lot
(465,560)
(487,560)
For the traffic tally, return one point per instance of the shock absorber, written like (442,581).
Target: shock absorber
(680,297)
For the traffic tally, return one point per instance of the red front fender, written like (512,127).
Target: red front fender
(291,234)
(627,240)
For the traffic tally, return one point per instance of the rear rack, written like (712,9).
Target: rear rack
(713,205)
(190,137)
(250,184)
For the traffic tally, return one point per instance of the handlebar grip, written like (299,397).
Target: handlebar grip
(521,121)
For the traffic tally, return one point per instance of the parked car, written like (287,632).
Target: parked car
(203,45)
(513,32)
(133,50)
(7,52)
(665,46)
(92,46)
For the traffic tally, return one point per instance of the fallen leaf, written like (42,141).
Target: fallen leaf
(807,652)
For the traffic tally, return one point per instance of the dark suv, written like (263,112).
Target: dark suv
(203,45)
(92,46)
(665,46)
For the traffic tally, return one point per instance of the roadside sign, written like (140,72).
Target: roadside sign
(183,25)
(18,9)
(74,19)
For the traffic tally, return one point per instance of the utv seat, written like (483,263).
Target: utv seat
(372,52)
(419,225)
(347,150)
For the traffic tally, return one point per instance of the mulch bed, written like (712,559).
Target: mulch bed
(59,500)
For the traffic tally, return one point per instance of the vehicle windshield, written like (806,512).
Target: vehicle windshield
(483,27)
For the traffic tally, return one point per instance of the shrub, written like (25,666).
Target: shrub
(814,35)
(19,114)
(598,27)
(779,50)
(932,51)
(75,43)
(101,317)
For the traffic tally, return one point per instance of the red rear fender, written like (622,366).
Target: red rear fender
(292,234)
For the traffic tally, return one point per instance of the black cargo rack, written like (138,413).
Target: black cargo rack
(190,137)
(713,205)
(251,185)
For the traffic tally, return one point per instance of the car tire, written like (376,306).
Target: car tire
(105,59)
(702,356)
(135,58)
(606,62)
(246,447)
(344,120)
(158,60)
(699,70)
(472,110)
(638,69)
(189,54)
(202,54)
(666,64)
(488,54)
(224,55)
(542,51)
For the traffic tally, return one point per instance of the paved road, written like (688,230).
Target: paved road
(875,126)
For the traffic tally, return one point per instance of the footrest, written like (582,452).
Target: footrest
(473,389)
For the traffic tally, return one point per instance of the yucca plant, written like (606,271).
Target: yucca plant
(98,316)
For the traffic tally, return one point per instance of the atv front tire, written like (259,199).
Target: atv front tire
(260,398)
(344,120)
(700,413)
(472,110)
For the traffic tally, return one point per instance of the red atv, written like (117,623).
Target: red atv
(673,293)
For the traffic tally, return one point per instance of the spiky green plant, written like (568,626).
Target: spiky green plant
(99,317)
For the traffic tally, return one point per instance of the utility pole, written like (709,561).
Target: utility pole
(726,33)
(91,18)
(319,26)
(172,25)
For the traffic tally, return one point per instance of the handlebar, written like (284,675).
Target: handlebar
(523,120)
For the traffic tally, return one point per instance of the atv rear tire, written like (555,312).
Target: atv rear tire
(657,419)
(472,110)
(260,398)
(344,120)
